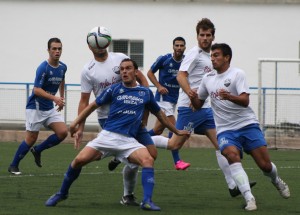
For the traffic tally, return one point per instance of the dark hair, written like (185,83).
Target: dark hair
(53,40)
(130,60)
(179,39)
(226,50)
(205,24)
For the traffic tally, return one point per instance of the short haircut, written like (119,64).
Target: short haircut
(53,40)
(130,60)
(226,50)
(179,39)
(205,24)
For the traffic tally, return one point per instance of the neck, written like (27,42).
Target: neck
(54,63)
(223,69)
(101,57)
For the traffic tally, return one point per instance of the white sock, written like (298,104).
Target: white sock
(160,141)
(273,174)
(224,166)
(241,179)
(129,179)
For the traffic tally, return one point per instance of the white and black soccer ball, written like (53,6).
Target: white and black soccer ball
(99,38)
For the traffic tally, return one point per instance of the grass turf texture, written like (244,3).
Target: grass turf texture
(199,190)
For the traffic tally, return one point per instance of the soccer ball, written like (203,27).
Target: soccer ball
(99,38)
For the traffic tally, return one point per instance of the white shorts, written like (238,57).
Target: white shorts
(114,144)
(35,119)
(167,107)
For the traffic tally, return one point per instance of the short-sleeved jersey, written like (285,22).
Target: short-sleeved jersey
(168,69)
(227,115)
(196,63)
(96,76)
(47,78)
(126,107)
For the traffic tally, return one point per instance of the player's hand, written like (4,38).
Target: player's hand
(192,93)
(183,133)
(223,94)
(162,90)
(60,102)
(78,138)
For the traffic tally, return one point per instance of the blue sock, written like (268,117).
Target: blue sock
(151,132)
(20,153)
(70,176)
(175,154)
(170,134)
(148,183)
(51,141)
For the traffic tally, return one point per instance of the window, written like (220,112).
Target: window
(133,48)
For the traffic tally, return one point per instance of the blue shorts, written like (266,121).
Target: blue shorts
(142,137)
(247,138)
(198,121)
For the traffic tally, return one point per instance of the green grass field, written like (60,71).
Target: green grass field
(199,190)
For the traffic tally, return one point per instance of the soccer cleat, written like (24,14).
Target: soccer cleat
(282,187)
(129,200)
(37,157)
(14,170)
(113,163)
(235,191)
(181,165)
(149,206)
(251,205)
(54,199)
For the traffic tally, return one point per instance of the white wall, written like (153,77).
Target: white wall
(252,30)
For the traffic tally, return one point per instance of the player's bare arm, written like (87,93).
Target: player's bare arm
(59,101)
(141,79)
(162,90)
(184,84)
(161,116)
(242,99)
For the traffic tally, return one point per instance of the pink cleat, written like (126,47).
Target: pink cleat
(181,165)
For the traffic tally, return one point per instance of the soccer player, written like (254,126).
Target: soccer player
(194,66)
(168,90)
(99,73)
(40,111)
(237,127)
(127,103)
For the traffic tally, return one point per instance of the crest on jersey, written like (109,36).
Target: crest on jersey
(227,82)
(116,70)
(51,73)
(121,91)
(141,93)
(171,65)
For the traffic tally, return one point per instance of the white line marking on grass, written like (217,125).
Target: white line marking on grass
(191,169)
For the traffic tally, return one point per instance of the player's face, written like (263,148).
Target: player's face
(55,51)
(219,61)
(99,53)
(128,73)
(205,39)
(179,48)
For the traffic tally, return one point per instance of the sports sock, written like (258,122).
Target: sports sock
(160,141)
(20,153)
(129,179)
(224,166)
(70,176)
(51,141)
(148,183)
(241,179)
(151,132)
(273,174)
(175,155)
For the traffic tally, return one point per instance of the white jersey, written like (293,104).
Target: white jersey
(196,63)
(227,115)
(96,76)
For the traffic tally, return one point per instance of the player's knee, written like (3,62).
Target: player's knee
(62,134)
(147,161)
(265,166)
(233,157)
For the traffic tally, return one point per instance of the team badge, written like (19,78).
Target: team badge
(121,91)
(141,93)
(51,73)
(116,70)
(227,82)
